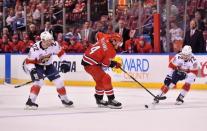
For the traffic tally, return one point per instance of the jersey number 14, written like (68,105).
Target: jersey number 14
(94,49)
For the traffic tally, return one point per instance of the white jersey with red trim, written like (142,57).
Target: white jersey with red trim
(41,56)
(190,65)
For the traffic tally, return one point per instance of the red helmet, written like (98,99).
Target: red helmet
(116,39)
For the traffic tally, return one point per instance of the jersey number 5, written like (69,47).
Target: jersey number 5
(93,49)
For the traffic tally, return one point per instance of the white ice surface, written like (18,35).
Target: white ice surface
(86,116)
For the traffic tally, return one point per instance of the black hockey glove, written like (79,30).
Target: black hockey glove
(115,64)
(64,67)
(34,75)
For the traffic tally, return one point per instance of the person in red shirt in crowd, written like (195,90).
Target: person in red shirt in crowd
(25,44)
(130,46)
(143,46)
(5,45)
(100,55)
(61,42)
(75,46)
(14,44)
(37,38)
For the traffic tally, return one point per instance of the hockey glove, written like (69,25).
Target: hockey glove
(115,64)
(34,75)
(64,67)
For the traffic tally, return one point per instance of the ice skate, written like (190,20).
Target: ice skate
(155,101)
(179,100)
(113,104)
(30,105)
(100,102)
(66,102)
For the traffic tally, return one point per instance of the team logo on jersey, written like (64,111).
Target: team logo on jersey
(45,58)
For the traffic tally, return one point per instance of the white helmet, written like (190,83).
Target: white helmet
(46,36)
(187,50)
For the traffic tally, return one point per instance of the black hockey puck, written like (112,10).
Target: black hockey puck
(146,106)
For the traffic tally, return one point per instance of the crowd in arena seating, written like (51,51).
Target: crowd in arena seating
(22,29)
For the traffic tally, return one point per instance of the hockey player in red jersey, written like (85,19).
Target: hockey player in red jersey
(100,55)
(39,63)
(183,66)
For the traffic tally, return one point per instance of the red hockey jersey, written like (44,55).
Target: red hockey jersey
(100,53)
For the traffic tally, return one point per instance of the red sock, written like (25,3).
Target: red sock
(61,91)
(164,89)
(35,89)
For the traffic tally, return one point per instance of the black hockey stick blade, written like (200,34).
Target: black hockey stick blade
(160,97)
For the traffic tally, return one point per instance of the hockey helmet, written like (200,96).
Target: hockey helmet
(187,50)
(46,36)
(116,39)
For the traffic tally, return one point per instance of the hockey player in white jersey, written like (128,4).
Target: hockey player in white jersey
(183,66)
(39,64)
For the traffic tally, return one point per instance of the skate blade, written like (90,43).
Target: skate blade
(102,106)
(30,107)
(68,106)
(114,107)
(178,103)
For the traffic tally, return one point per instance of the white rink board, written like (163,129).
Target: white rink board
(145,68)
(2,66)
(16,67)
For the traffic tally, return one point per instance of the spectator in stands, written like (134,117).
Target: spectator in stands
(98,27)
(86,32)
(75,46)
(199,21)
(130,46)
(37,14)
(5,32)
(10,19)
(195,39)
(5,45)
(103,21)
(61,42)
(69,5)
(32,32)
(14,44)
(77,33)
(133,32)
(176,35)
(80,5)
(110,29)
(143,46)
(123,31)
(25,44)
(37,38)
(18,24)
(48,27)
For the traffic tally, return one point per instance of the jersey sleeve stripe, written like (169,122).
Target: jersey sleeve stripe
(29,61)
(89,60)
(60,53)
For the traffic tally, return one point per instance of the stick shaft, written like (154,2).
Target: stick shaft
(138,82)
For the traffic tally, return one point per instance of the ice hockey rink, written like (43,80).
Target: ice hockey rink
(86,116)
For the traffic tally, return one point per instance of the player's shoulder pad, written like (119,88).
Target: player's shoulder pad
(35,46)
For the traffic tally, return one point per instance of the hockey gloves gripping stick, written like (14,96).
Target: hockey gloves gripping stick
(155,97)
(65,67)
(115,64)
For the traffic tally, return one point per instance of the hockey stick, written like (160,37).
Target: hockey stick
(156,97)
(32,81)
